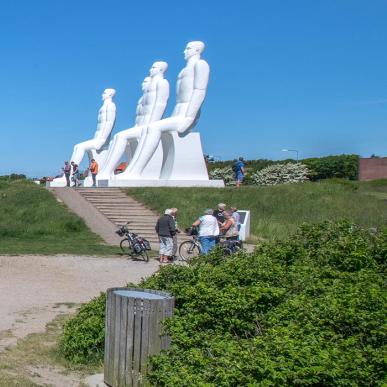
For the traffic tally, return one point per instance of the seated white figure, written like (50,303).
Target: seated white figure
(190,93)
(150,108)
(106,119)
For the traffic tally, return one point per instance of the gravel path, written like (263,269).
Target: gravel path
(35,289)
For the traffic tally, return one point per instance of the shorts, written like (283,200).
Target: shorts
(239,176)
(166,246)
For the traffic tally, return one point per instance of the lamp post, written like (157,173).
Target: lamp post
(291,150)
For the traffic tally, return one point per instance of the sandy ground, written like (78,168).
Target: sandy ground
(35,289)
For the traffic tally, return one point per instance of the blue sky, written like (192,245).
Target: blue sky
(306,75)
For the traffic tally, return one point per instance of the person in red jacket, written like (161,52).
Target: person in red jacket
(94,171)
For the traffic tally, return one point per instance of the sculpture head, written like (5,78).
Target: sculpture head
(145,83)
(193,48)
(158,68)
(108,93)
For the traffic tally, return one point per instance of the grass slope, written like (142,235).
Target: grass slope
(33,222)
(277,211)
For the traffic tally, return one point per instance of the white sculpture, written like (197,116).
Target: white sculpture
(190,93)
(97,147)
(150,108)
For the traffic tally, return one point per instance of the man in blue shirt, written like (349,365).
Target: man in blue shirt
(239,169)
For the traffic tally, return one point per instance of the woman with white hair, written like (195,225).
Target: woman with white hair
(165,228)
(208,230)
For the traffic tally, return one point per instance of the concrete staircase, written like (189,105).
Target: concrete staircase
(120,208)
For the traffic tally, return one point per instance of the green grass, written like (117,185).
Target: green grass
(276,211)
(32,221)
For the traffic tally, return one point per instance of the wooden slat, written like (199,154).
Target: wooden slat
(129,342)
(144,336)
(116,350)
(122,341)
(108,332)
(137,342)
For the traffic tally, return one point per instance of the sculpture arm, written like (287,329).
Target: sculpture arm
(162,95)
(201,76)
(110,117)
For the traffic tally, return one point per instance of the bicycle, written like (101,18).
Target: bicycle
(132,244)
(192,248)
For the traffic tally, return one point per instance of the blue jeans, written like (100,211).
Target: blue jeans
(207,243)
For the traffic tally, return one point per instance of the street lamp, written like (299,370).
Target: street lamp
(291,150)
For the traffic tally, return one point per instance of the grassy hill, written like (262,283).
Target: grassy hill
(33,222)
(277,211)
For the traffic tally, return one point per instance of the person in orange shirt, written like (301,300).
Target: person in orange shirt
(94,171)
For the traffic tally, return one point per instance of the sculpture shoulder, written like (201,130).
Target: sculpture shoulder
(202,65)
(162,83)
(202,74)
(111,106)
(163,89)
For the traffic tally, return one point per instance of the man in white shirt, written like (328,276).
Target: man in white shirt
(208,230)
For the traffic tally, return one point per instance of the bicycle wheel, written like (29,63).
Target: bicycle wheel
(126,246)
(144,255)
(227,251)
(188,249)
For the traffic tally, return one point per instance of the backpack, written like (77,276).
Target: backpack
(235,167)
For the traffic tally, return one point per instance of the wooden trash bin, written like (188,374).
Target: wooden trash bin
(133,332)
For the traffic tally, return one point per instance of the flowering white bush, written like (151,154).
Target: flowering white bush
(226,174)
(281,174)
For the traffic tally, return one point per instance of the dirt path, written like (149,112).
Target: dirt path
(36,289)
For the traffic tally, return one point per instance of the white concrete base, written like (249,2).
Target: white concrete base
(56,183)
(161,183)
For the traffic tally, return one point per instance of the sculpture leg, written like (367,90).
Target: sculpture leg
(149,142)
(144,153)
(116,151)
(80,150)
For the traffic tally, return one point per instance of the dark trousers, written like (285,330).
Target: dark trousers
(67,179)
(94,176)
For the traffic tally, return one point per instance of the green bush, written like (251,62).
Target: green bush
(83,336)
(342,166)
(288,173)
(226,174)
(306,311)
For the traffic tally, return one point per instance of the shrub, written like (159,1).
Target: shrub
(342,166)
(83,337)
(226,174)
(306,311)
(281,174)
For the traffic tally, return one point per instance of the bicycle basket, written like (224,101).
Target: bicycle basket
(192,231)
(121,232)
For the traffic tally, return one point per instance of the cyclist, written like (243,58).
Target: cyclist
(208,230)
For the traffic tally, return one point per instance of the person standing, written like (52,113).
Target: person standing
(75,174)
(208,230)
(219,213)
(165,229)
(229,228)
(94,171)
(67,172)
(239,169)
